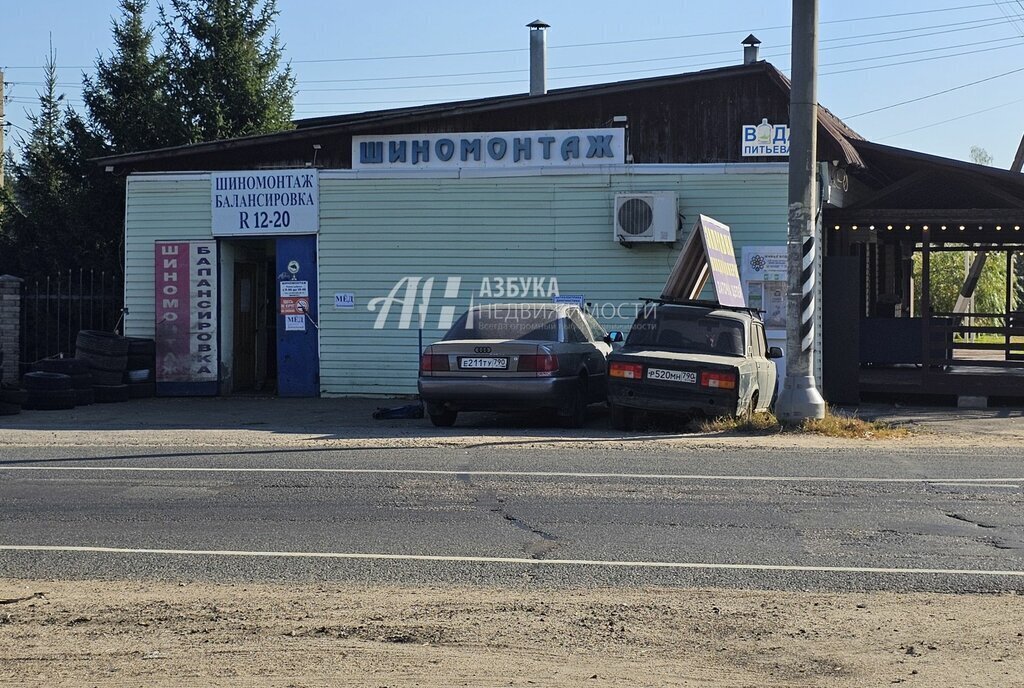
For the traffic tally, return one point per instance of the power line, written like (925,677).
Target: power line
(600,43)
(993,21)
(631,72)
(937,93)
(923,59)
(951,119)
(959,27)
(635,40)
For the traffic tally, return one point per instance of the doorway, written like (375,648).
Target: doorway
(250,333)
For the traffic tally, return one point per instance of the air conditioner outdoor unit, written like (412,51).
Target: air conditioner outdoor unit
(646,217)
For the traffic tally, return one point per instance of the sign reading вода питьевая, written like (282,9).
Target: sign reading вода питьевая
(503,149)
(265,202)
(765,140)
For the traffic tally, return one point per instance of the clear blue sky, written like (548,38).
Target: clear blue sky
(355,56)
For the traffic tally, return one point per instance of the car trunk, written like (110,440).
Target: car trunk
(667,373)
(493,358)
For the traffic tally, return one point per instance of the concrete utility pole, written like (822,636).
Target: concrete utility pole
(3,94)
(799,398)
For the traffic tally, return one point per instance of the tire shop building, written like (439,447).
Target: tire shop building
(306,262)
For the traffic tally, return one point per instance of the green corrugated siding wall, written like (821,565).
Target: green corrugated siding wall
(159,208)
(373,233)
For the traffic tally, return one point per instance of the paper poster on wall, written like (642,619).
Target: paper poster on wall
(185,281)
(295,323)
(294,297)
(344,300)
(764,270)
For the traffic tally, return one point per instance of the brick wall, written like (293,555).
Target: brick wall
(10,325)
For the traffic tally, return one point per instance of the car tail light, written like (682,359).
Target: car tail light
(430,363)
(718,380)
(628,371)
(543,363)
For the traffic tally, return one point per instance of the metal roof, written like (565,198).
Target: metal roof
(356,122)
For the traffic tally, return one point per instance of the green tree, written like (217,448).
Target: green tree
(53,215)
(947,277)
(225,67)
(127,99)
(980,156)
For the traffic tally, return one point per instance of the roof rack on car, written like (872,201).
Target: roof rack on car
(703,304)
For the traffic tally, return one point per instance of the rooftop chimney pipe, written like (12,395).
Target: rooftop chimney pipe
(750,44)
(538,57)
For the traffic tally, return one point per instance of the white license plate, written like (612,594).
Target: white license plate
(672,375)
(485,363)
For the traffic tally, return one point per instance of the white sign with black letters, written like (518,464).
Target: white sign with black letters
(265,202)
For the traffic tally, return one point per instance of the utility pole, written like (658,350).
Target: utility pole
(800,398)
(3,94)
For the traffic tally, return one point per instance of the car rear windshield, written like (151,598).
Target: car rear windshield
(507,322)
(688,331)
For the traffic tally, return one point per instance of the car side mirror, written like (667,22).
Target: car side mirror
(613,337)
(776,352)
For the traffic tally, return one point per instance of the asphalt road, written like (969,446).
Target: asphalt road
(831,520)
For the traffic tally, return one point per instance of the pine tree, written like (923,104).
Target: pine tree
(127,98)
(225,71)
(53,215)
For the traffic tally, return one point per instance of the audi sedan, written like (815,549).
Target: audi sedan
(517,357)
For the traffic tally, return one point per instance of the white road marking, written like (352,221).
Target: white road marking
(507,560)
(518,474)
(961,484)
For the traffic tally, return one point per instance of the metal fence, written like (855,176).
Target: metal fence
(55,308)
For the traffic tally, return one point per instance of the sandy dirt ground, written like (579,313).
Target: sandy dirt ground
(167,634)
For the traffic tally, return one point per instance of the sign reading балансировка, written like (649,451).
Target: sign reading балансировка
(503,149)
(267,202)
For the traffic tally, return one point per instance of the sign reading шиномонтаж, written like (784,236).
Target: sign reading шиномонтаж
(186,315)
(764,139)
(265,202)
(503,149)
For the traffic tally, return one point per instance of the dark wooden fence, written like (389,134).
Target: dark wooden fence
(55,308)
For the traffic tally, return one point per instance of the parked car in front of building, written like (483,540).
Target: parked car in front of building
(692,359)
(516,357)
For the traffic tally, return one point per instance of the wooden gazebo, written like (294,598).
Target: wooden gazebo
(878,337)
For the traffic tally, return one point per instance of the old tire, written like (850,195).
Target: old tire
(13,395)
(442,417)
(621,417)
(139,346)
(64,366)
(51,399)
(46,382)
(105,353)
(85,396)
(110,394)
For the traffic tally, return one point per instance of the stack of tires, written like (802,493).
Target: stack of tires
(106,355)
(77,370)
(140,374)
(48,391)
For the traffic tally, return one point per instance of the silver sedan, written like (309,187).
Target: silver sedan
(517,357)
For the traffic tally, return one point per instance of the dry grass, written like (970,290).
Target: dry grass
(832,425)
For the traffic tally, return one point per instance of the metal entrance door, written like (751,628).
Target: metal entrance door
(298,342)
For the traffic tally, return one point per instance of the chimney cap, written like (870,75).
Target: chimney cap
(750,40)
(538,24)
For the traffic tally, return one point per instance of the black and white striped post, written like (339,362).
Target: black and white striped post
(799,398)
